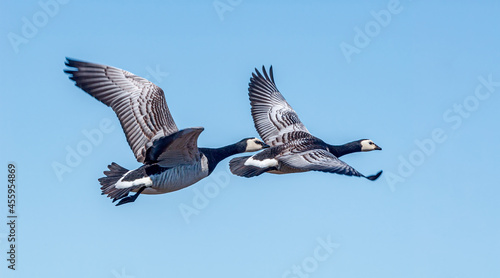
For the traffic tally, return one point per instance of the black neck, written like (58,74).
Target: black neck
(348,148)
(216,155)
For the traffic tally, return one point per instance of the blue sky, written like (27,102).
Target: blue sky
(419,78)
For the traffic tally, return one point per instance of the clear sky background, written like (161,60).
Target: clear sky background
(423,84)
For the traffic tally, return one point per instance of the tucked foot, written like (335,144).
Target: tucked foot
(132,198)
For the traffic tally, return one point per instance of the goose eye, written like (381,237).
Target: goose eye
(371,143)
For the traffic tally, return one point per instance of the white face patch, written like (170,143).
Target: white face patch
(146,181)
(266,163)
(368,145)
(253,146)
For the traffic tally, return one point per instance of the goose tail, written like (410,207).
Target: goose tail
(238,168)
(115,173)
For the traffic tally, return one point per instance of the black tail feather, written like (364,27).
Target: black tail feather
(238,168)
(115,173)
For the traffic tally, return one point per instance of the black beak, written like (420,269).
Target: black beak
(378,148)
(265,146)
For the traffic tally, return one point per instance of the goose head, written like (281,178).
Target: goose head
(253,144)
(368,145)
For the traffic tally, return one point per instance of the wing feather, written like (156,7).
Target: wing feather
(139,104)
(273,117)
(178,148)
(319,160)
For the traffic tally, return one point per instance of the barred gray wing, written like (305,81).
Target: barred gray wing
(319,160)
(139,104)
(273,117)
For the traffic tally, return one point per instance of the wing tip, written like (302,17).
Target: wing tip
(264,79)
(71,62)
(197,128)
(83,65)
(374,177)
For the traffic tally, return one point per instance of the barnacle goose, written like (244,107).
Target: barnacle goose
(171,157)
(293,148)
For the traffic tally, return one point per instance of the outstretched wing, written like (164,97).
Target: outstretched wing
(139,104)
(178,148)
(273,117)
(319,160)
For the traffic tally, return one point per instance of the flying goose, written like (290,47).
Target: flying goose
(171,157)
(293,148)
